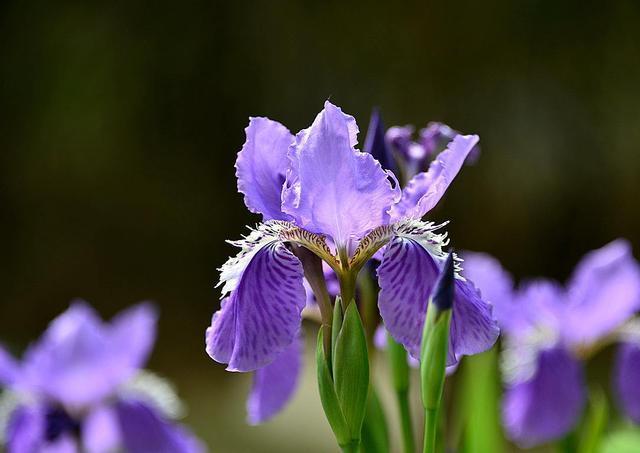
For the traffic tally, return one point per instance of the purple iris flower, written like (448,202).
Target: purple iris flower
(627,372)
(317,191)
(549,330)
(414,155)
(81,388)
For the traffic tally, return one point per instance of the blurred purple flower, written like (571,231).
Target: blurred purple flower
(626,377)
(317,191)
(412,156)
(547,328)
(80,388)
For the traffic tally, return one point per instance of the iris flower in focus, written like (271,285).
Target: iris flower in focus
(81,388)
(320,196)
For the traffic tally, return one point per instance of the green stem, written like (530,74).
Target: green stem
(347,288)
(567,444)
(312,268)
(368,298)
(430,430)
(352,447)
(408,443)
(400,381)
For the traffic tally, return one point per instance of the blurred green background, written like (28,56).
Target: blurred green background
(120,122)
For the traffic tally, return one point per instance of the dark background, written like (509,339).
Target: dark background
(120,121)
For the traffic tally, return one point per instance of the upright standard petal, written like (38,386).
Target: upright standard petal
(424,190)
(406,277)
(435,137)
(275,384)
(603,293)
(261,167)
(132,335)
(262,315)
(332,188)
(626,378)
(544,304)
(143,431)
(547,406)
(80,360)
(70,362)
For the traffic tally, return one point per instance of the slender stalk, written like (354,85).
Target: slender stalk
(400,382)
(368,296)
(312,267)
(347,288)
(430,430)
(567,444)
(353,447)
(408,442)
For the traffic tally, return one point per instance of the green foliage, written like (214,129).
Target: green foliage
(433,361)
(375,435)
(595,423)
(479,404)
(337,324)
(400,378)
(399,365)
(622,441)
(343,382)
(328,396)
(351,370)
(433,358)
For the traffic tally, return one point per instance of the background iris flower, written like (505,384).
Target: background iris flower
(397,150)
(550,330)
(81,388)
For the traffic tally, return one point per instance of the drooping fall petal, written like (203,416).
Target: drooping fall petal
(262,315)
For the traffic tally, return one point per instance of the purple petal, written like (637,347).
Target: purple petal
(9,368)
(380,338)
(133,333)
(473,329)
(424,190)
(263,314)
(65,444)
(275,384)
(25,430)
(143,431)
(406,277)
(548,405)
(400,138)
(604,292)
(433,136)
(101,430)
(436,136)
(80,359)
(261,167)
(496,287)
(220,337)
(626,379)
(375,143)
(540,305)
(331,187)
